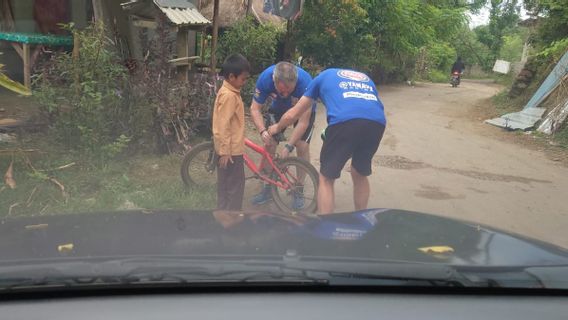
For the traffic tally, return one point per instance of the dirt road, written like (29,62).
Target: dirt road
(435,158)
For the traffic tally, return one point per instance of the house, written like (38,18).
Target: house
(230,11)
(125,18)
(36,17)
(190,20)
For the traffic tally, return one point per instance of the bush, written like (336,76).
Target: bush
(87,98)
(256,42)
(248,91)
(562,136)
(438,76)
(440,56)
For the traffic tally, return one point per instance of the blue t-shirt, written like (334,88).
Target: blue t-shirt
(265,88)
(347,95)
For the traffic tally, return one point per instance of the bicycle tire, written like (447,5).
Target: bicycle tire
(198,167)
(312,174)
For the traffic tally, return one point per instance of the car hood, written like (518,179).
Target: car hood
(384,234)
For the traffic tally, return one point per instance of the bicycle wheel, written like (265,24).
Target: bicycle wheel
(198,168)
(303,179)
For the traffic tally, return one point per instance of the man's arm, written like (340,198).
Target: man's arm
(256,114)
(258,119)
(303,105)
(300,129)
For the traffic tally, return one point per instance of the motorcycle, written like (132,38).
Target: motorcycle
(455,79)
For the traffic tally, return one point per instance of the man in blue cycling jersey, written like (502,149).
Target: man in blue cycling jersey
(356,123)
(285,83)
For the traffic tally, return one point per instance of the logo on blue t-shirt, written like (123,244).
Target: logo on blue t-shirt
(353,75)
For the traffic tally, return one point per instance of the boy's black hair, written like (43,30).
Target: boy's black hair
(235,64)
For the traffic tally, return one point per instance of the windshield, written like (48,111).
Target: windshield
(362,142)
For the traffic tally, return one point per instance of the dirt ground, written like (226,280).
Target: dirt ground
(437,156)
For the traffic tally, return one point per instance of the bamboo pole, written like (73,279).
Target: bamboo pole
(213,63)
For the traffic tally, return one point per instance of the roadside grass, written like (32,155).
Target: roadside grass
(561,137)
(505,80)
(505,104)
(141,181)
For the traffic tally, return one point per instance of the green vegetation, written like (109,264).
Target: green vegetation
(256,42)
(391,40)
(561,137)
(87,97)
(137,182)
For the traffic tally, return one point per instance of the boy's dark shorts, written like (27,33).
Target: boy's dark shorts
(307,136)
(357,139)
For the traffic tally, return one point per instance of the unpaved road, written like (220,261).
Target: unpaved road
(435,158)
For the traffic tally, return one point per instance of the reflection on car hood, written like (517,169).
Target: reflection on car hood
(384,234)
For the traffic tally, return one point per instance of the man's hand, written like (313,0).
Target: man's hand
(224,161)
(284,153)
(267,138)
(273,130)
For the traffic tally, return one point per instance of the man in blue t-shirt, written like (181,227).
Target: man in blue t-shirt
(285,84)
(356,123)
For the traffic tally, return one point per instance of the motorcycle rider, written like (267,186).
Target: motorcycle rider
(458,67)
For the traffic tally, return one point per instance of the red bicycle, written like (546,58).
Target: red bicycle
(289,178)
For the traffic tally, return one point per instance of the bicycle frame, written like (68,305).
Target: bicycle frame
(283,183)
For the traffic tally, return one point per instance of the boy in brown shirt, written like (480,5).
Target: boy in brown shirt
(229,132)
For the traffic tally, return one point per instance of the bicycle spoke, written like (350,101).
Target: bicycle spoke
(301,190)
(198,168)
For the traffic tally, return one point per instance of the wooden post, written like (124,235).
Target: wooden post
(288,50)
(203,44)
(213,63)
(249,6)
(182,52)
(98,10)
(75,55)
(27,66)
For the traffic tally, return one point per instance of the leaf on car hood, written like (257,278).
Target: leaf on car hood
(437,249)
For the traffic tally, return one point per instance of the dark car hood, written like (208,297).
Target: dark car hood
(384,234)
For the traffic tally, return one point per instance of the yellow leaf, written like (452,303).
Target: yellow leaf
(65,248)
(36,226)
(9,176)
(437,249)
(13,85)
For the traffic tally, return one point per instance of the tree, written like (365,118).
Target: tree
(503,16)
(256,42)
(553,19)
(334,33)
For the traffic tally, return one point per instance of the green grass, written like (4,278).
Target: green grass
(561,137)
(142,181)
(504,79)
(504,104)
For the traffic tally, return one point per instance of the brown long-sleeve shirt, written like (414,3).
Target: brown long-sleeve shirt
(229,121)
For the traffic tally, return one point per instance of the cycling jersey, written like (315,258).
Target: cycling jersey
(265,87)
(347,95)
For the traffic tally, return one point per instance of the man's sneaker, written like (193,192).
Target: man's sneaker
(298,201)
(264,196)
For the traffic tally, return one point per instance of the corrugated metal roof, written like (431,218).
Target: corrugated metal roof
(184,16)
(174,3)
(181,12)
